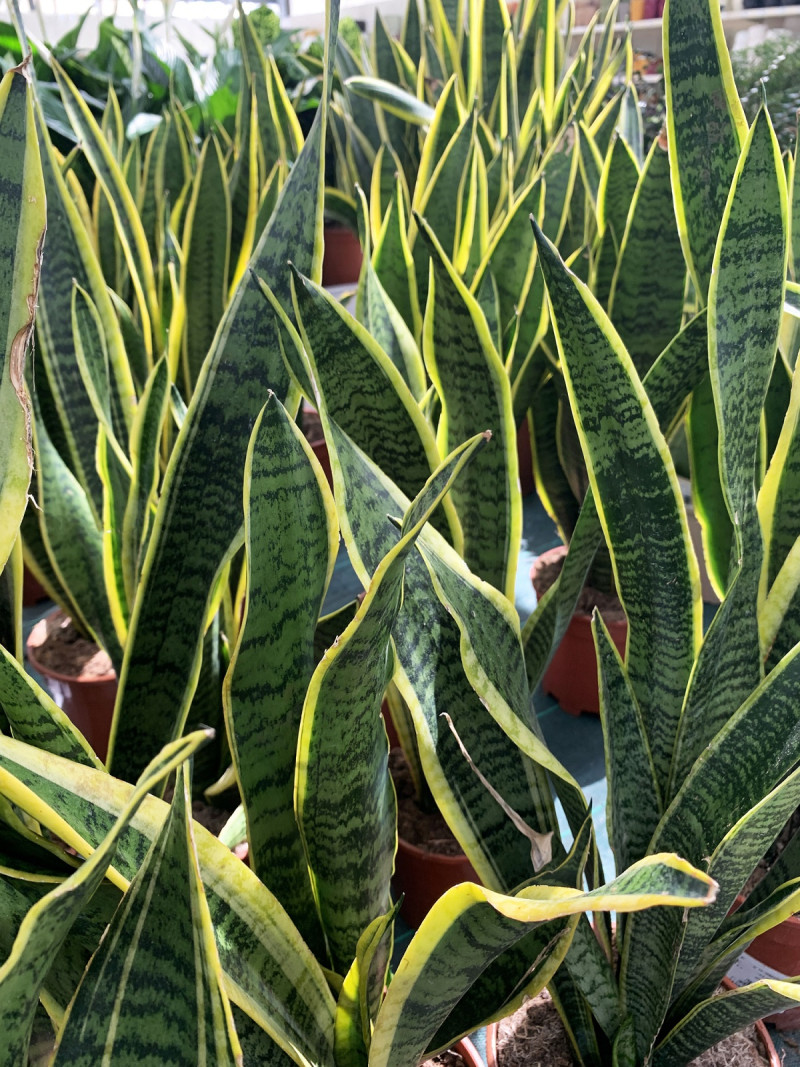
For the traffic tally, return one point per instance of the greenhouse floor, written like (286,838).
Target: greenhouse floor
(577,741)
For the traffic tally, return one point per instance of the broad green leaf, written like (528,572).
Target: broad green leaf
(475,395)
(157,961)
(394,263)
(346,807)
(291,538)
(22,223)
(741,765)
(658,586)
(646,305)
(269,971)
(411,1014)
(744,312)
(617,187)
(191,538)
(206,254)
(707,496)
(721,1016)
(427,644)
(48,922)
(393,98)
(732,864)
(355,1008)
(706,127)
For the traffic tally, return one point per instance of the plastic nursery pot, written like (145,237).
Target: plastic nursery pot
(763,1034)
(341,263)
(424,876)
(774,954)
(571,676)
(88,700)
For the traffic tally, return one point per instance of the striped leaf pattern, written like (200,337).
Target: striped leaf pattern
(22,224)
(346,807)
(646,306)
(706,128)
(34,717)
(290,539)
(158,962)
(450,929)
(49,921)
(618,431)
(745,302)
(200,512)
(475,394)
(260,951)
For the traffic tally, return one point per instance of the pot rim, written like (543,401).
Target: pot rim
(48,672)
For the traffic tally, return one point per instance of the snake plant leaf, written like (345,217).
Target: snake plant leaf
(410,1015)
(742,764)
(255,69)
(702,437)
(206,250)
(49,921)
(654,585)
(22,211)
(394,263)
(190,541)
(646,307)
(116,489)
(504,982)
(745,306)
(393,98)
(560,176)
(362,991)
(475,393)
(291,537)
(269,971)
(11,577)
(617,187)
(434,202)
(346,809)
(157,960)
(144,451)
(510,257)
(74,543)
(427,644)
(366,394)
(71,258)
(721,1016)
(128,227)
(90,352)
(36,719)
(634,797)
(732,863)
(706,128)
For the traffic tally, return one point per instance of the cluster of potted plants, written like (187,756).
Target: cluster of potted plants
(185,525)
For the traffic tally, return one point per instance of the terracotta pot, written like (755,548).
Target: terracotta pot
(468,1053)
(341,263)
(88,700)
(424,876)
(391,733)
(525,459)
(774,954)
(761,1030)
(571,676)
